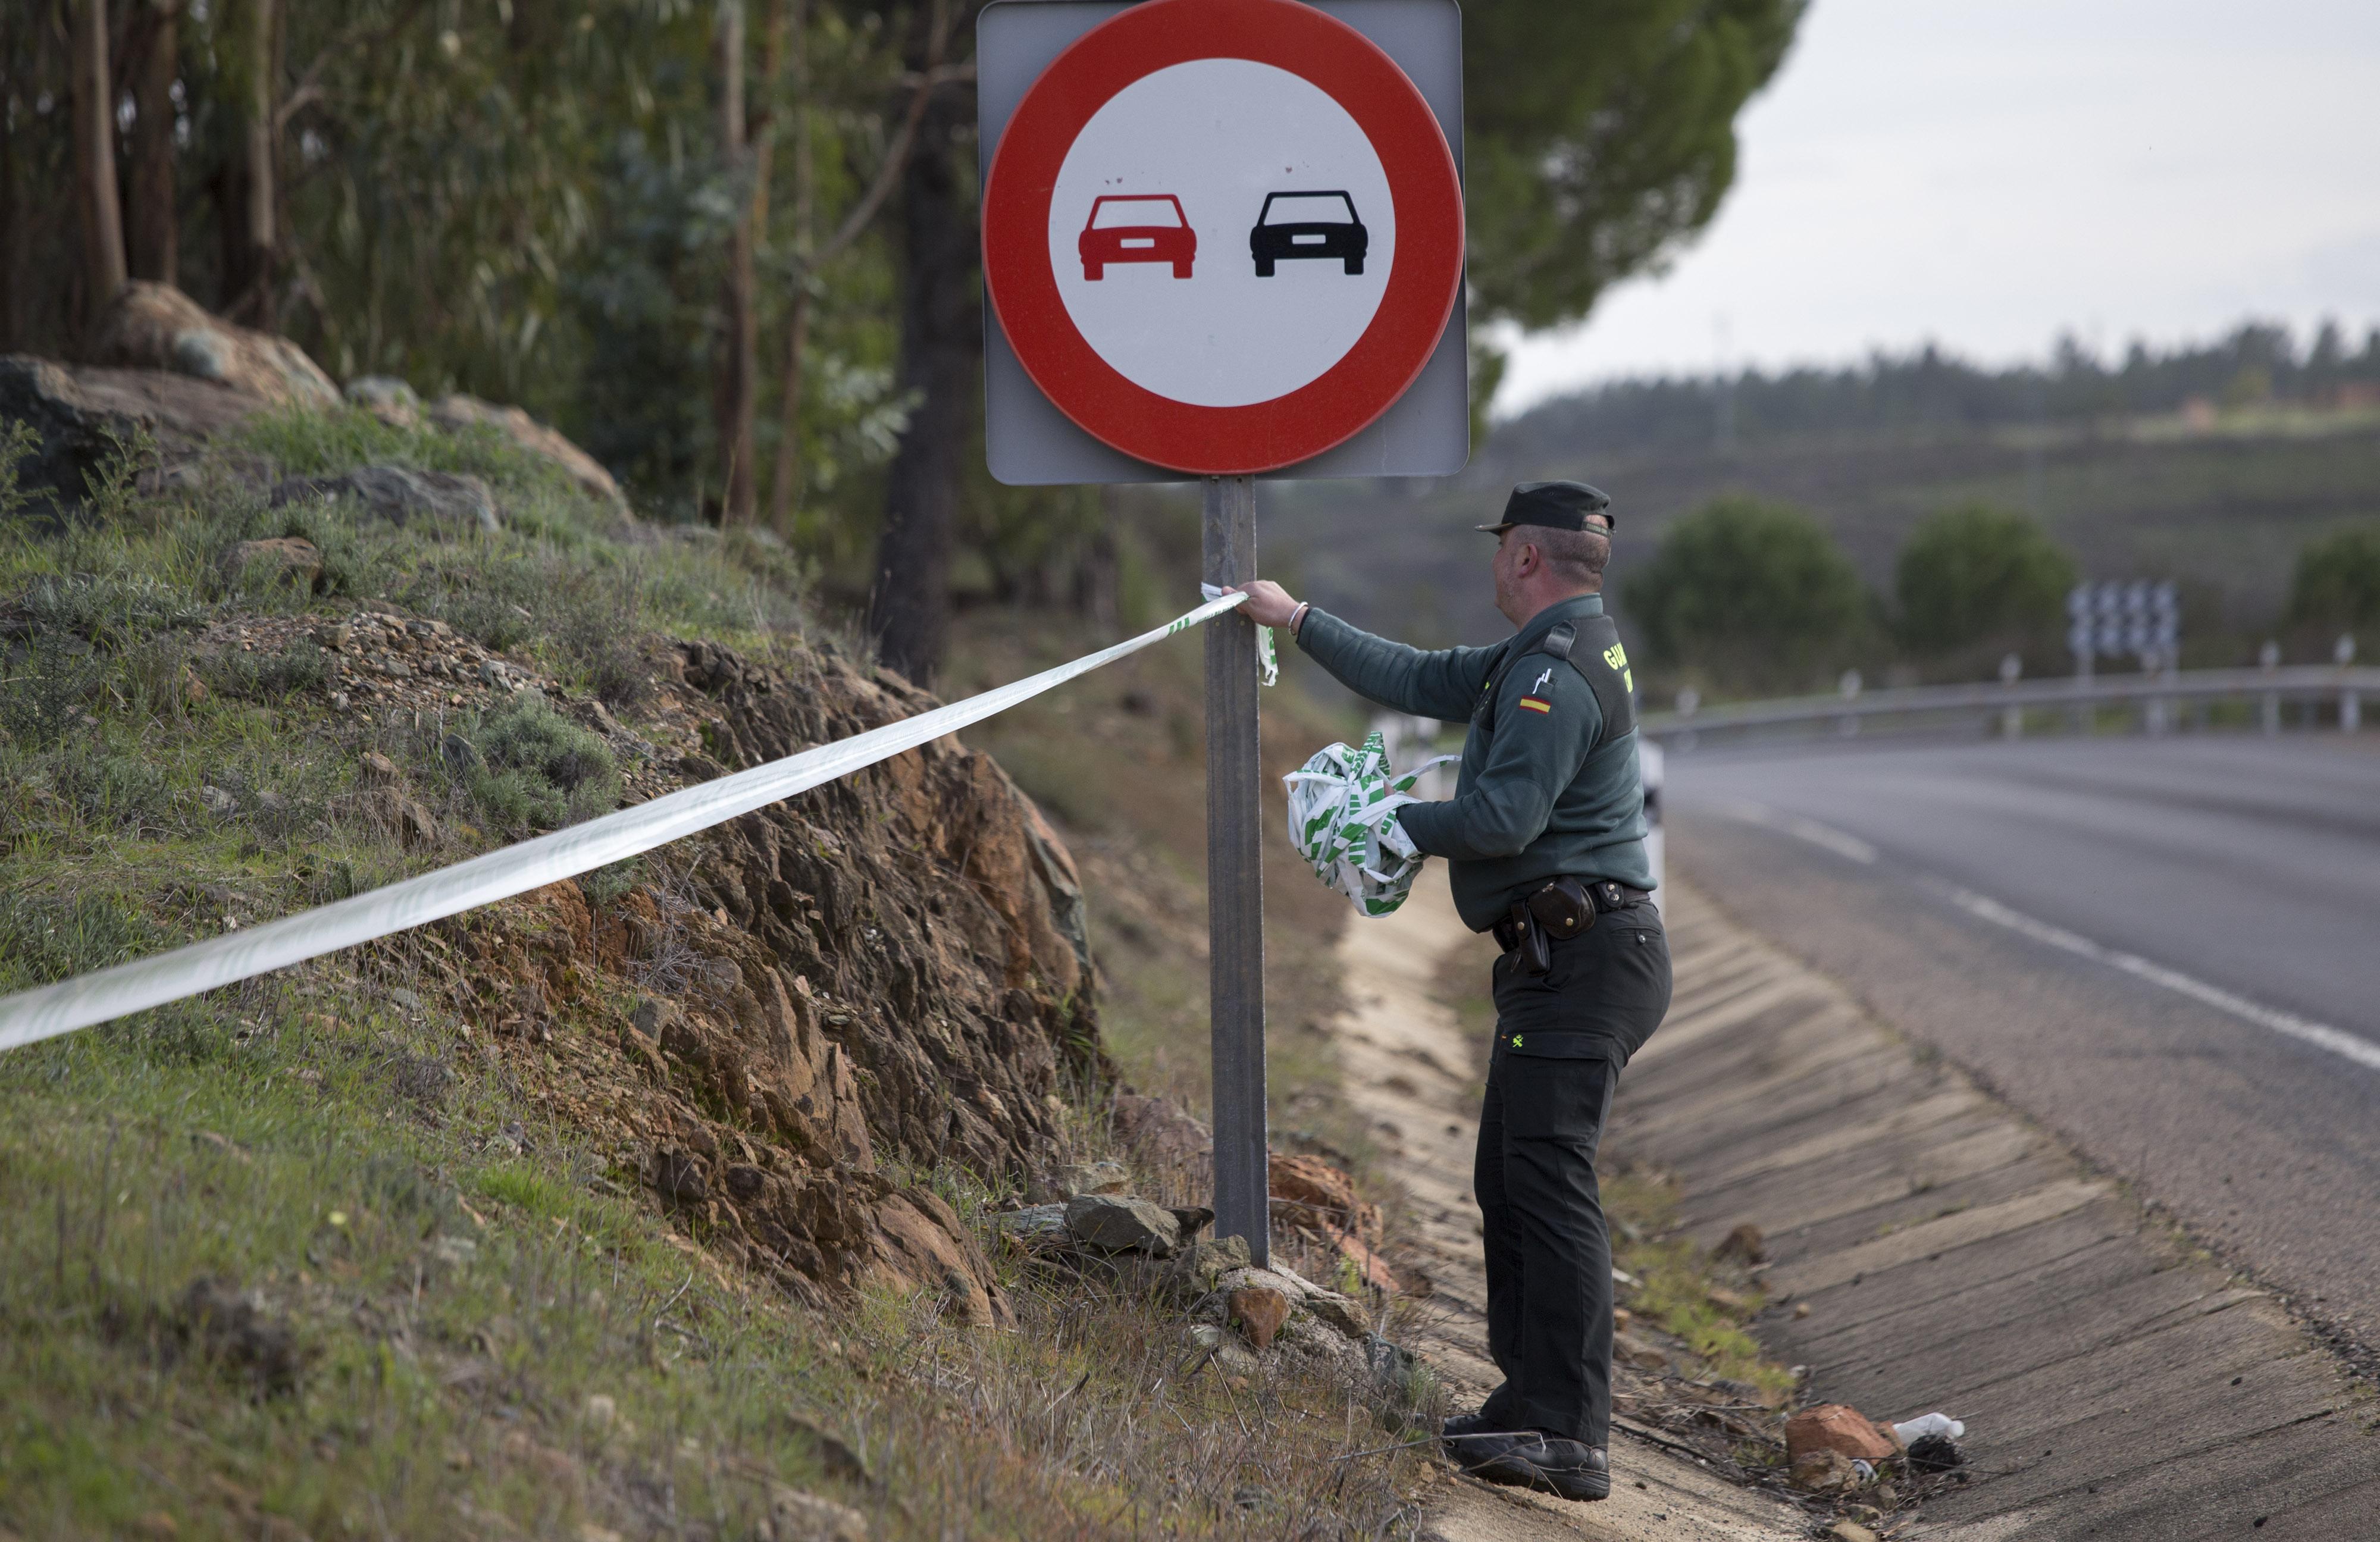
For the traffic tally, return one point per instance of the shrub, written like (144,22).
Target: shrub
(529,768)
(2337,580)
(302,666)
(1754,594)
(1979,575)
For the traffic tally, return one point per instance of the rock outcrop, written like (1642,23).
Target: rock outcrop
(457,413)
(892,963)
(155,326)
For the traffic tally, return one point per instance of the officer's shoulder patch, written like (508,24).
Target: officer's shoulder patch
(1535,704)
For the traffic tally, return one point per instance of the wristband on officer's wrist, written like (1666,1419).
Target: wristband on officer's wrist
(1297,616)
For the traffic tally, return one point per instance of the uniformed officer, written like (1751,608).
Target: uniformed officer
(1545,843)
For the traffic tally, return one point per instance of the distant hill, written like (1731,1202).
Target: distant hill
(2209,465)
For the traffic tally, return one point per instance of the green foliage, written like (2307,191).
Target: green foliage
(1980,576)
(529,768)
(302,666)
(109,610)
(1751,594)
(2337,580)
(18,443)
(1598,135)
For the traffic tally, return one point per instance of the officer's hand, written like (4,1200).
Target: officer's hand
(1268,603)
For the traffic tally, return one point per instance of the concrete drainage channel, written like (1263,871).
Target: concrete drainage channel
(1929,1249)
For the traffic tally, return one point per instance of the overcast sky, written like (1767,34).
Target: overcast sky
(1988,173)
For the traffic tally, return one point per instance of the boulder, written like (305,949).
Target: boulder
(1120,1224)
(796,1516)
(1349,1317)
(1036,1227)
(400,495)
(290,559)
(1199,1268)
(1257,1311)
(1161,1134)
(921,1245)
(1308,1191)
(458,412)
(78,414)
(155,326)
(1101,1177)
(387,398)
(1822,1471)
(1837,1427)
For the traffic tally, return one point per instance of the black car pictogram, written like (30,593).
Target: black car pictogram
(1309,224)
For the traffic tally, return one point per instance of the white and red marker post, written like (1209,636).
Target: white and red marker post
(1222,237)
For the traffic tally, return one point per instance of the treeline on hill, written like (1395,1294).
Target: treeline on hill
(1747,597)
(2257,363)
(731,247)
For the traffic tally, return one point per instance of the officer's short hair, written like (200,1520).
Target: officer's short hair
(1576,556)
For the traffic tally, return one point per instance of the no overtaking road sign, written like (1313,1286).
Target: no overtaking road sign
(1221,237)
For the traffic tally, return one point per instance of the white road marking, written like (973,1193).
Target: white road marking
(2346,1046)
(1833,840)
(2322,1036)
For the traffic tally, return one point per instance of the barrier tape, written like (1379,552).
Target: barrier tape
(53,1010)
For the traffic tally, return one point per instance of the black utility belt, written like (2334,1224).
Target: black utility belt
(1559,911)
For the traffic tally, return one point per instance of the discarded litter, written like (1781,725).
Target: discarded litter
(1342,805)
(1914,1430)
(1935,1453)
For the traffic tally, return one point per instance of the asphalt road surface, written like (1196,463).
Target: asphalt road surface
(2167,951)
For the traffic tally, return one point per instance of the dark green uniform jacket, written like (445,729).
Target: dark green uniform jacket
(1531,802)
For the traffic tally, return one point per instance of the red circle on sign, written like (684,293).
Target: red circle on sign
(1422,280)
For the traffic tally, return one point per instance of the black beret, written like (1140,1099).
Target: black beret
(1559,505)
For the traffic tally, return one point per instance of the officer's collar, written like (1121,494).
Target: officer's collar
(1553,615)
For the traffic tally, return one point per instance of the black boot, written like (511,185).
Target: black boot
(1463,1435)
(1530,1458)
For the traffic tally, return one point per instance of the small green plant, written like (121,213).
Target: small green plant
(529,768)
(18,443)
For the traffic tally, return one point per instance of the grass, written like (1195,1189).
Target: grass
(310,1257)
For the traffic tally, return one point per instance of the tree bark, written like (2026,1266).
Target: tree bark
(249,196)
(153,250)
(739,343)
(941,348)
(797,318)
(94,151)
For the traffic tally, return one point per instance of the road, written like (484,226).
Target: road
(2167,951)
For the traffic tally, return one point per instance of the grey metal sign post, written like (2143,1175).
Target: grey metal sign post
(1030,440)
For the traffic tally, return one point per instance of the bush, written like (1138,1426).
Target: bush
(2338,580)
(302,666)
(1755,595)
(529,768)
(1979,575)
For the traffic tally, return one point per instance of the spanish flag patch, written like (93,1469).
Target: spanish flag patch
(1536,704)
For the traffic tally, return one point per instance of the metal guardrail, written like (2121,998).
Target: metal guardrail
(2157,696)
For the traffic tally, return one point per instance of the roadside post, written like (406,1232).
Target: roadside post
(1222,240)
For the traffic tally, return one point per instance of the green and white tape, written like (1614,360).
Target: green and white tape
(1343,807)
(1268,665)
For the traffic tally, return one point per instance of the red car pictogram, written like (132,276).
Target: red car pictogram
(1137,228)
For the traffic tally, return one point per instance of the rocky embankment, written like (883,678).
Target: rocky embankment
(888,972)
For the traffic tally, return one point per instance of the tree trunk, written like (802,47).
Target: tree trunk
(94,151)
(731,401)
(155,237)
(797,318)
(14,278)
(942,347)
(248,194)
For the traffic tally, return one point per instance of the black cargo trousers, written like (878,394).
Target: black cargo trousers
(1561,1039)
